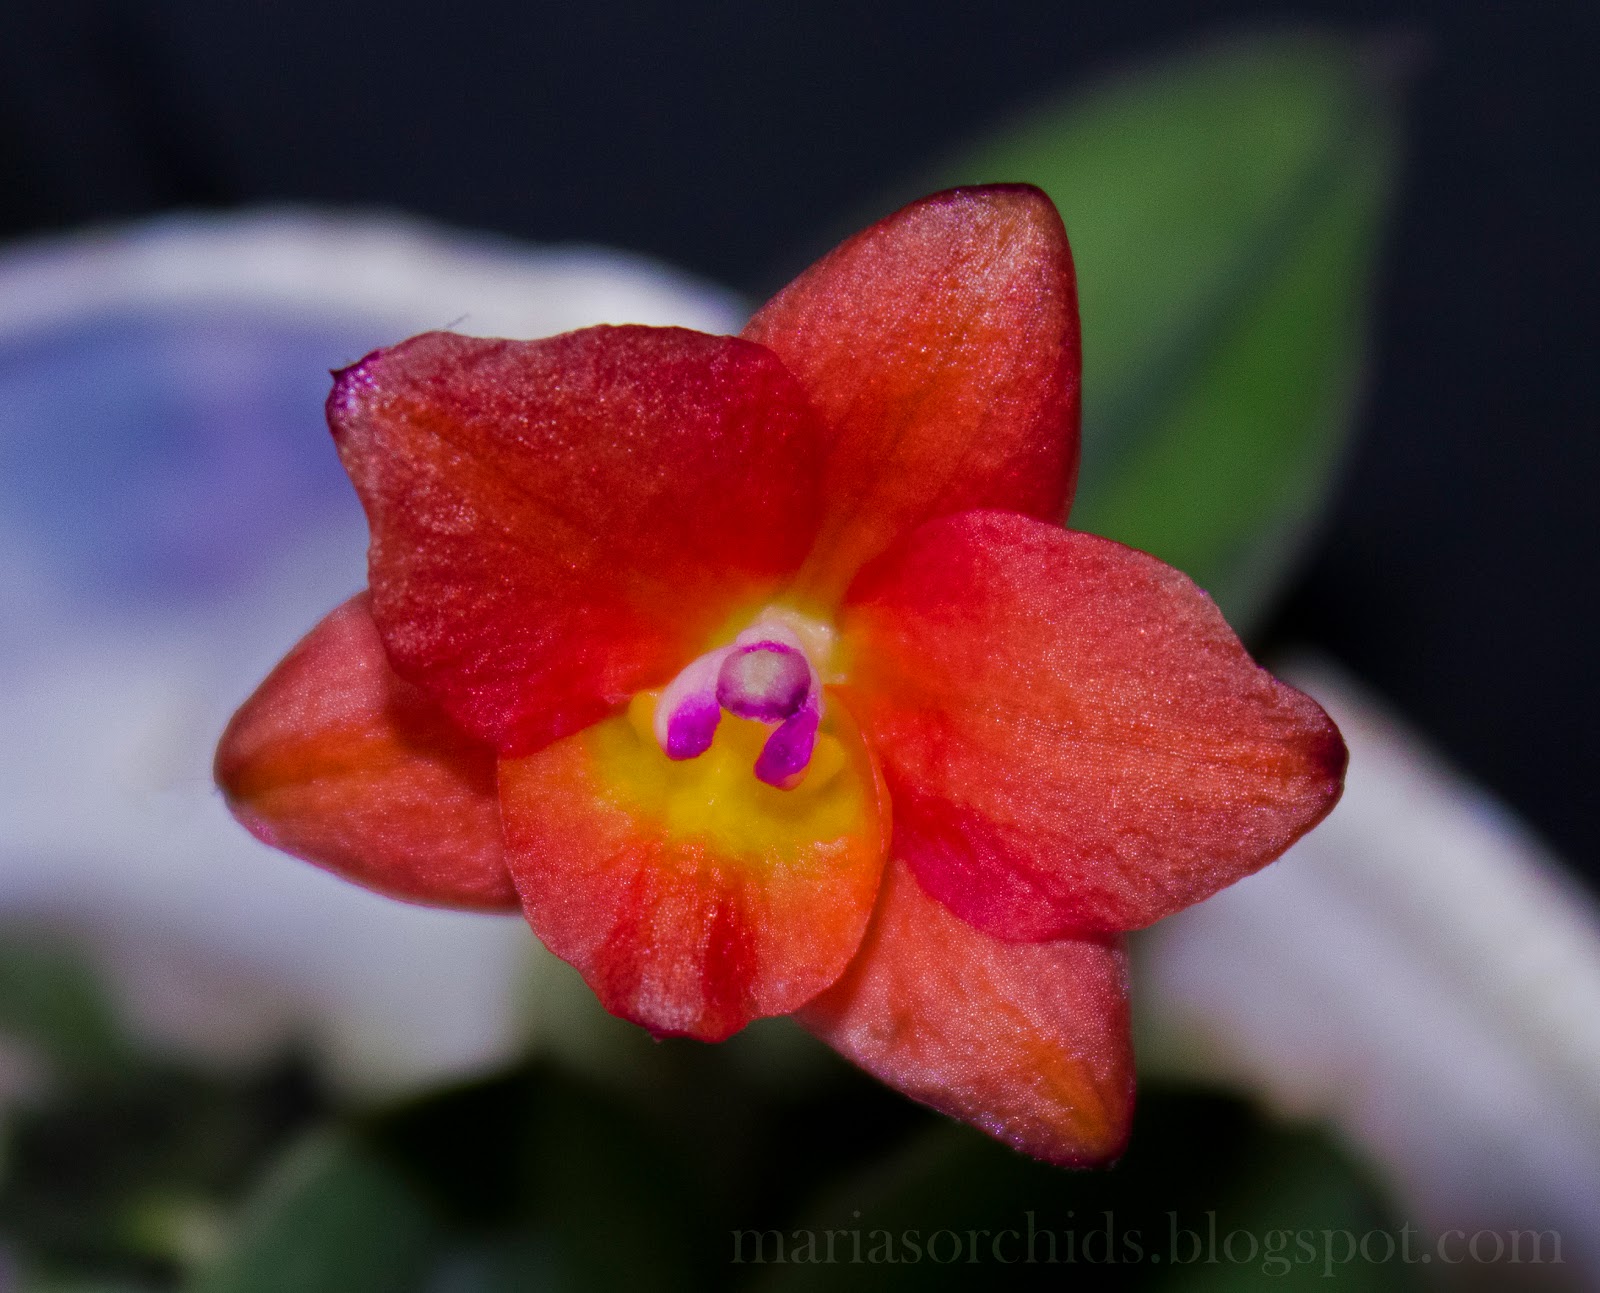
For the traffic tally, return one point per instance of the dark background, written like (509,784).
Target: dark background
(1457,573)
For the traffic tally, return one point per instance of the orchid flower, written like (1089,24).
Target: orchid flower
(761,674)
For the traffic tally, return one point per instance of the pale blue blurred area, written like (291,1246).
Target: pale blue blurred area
(173,517)
(158,457)
(161,388)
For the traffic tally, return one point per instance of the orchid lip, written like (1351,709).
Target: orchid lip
(764,675)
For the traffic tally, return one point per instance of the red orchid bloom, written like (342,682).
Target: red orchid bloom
(760,674)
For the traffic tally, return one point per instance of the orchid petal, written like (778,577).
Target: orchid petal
(559,524)
(338,761)
(941,348)
(692,897)
(1073,738)
(1028,1041)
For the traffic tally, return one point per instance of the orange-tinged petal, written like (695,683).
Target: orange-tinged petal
(338,761)
(558,524)
(1028,1041)
(941,348)
(692,897)
(1073,738)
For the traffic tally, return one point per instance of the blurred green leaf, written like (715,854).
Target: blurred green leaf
(124,1165)
(51,1005)
(333,1218)
(1224,209)
(1300,1212)
(1198,1162)
(548,1183)
(32,1285)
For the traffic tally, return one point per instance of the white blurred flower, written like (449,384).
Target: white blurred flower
(1418,970)
(316,266)
(172,519)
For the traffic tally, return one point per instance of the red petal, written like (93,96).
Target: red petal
(692,897)
(1073,738)
(557,524)
(1028,1041)
(941,347)
(336,760)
